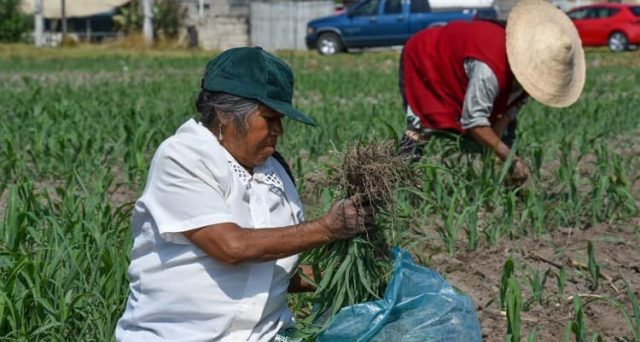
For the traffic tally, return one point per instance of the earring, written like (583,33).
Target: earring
(219,131)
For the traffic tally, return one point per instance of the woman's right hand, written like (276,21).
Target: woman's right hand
(348,218)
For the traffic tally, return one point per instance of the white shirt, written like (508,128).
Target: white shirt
(177,291)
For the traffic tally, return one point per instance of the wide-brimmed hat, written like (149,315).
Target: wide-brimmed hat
(545,53)
(255,74)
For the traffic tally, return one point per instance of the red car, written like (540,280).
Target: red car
(615,25)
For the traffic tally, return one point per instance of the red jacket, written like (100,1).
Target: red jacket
(433,65)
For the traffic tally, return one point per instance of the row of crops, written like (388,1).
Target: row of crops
(79,128)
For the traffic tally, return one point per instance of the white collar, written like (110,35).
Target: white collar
(263,173)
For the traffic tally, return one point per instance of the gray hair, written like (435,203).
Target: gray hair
(213,105)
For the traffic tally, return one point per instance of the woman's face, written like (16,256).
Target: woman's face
(264,127)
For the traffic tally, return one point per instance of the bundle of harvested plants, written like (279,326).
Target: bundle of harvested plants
(357,270)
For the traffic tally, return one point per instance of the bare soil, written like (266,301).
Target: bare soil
(617,252)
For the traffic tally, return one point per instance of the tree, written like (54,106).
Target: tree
(13,23)
(168,16)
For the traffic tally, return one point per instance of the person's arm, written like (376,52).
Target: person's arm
(482,90)
(486,136)
(481,93)
(500,126)
(233,244)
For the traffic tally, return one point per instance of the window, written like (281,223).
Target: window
(367,8)
(420,6)
(393,6)
(579,14)
(600,13)
(635,10)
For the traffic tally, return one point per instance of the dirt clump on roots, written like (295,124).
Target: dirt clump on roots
(373,171)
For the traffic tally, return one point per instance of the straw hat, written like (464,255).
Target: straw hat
(545,53)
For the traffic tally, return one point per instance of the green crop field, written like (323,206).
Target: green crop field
(79,127)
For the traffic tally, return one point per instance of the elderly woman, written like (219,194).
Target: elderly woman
(217,230)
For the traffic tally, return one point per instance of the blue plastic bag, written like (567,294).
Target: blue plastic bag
(418,305)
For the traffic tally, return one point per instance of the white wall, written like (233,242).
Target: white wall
(283,25)
(221,33)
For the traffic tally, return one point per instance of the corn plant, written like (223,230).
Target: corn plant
(63,264)
(577,326)
(507,273)
(472,228)
(453,220)
(537,153)
(536,284)
(535,212)
(532,336)
(632,317)
(514,307)
(610,195)
(561,280)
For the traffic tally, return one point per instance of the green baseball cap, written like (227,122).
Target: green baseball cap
(253,73)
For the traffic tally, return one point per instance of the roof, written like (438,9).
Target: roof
(52,9)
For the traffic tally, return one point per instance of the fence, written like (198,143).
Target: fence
(283,25)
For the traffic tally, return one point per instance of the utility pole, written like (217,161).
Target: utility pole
(64,18)
(147,25)
(201,10)
(38,32)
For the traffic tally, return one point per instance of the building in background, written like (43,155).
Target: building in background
(217,24)
(85,20)
(272,24)
(282,25)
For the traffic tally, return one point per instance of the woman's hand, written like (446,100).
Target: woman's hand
(347,218)
(488,137)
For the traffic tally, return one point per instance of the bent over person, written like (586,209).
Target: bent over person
(219,225)
(471,78)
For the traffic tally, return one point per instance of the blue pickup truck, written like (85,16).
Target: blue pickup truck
(374,23)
